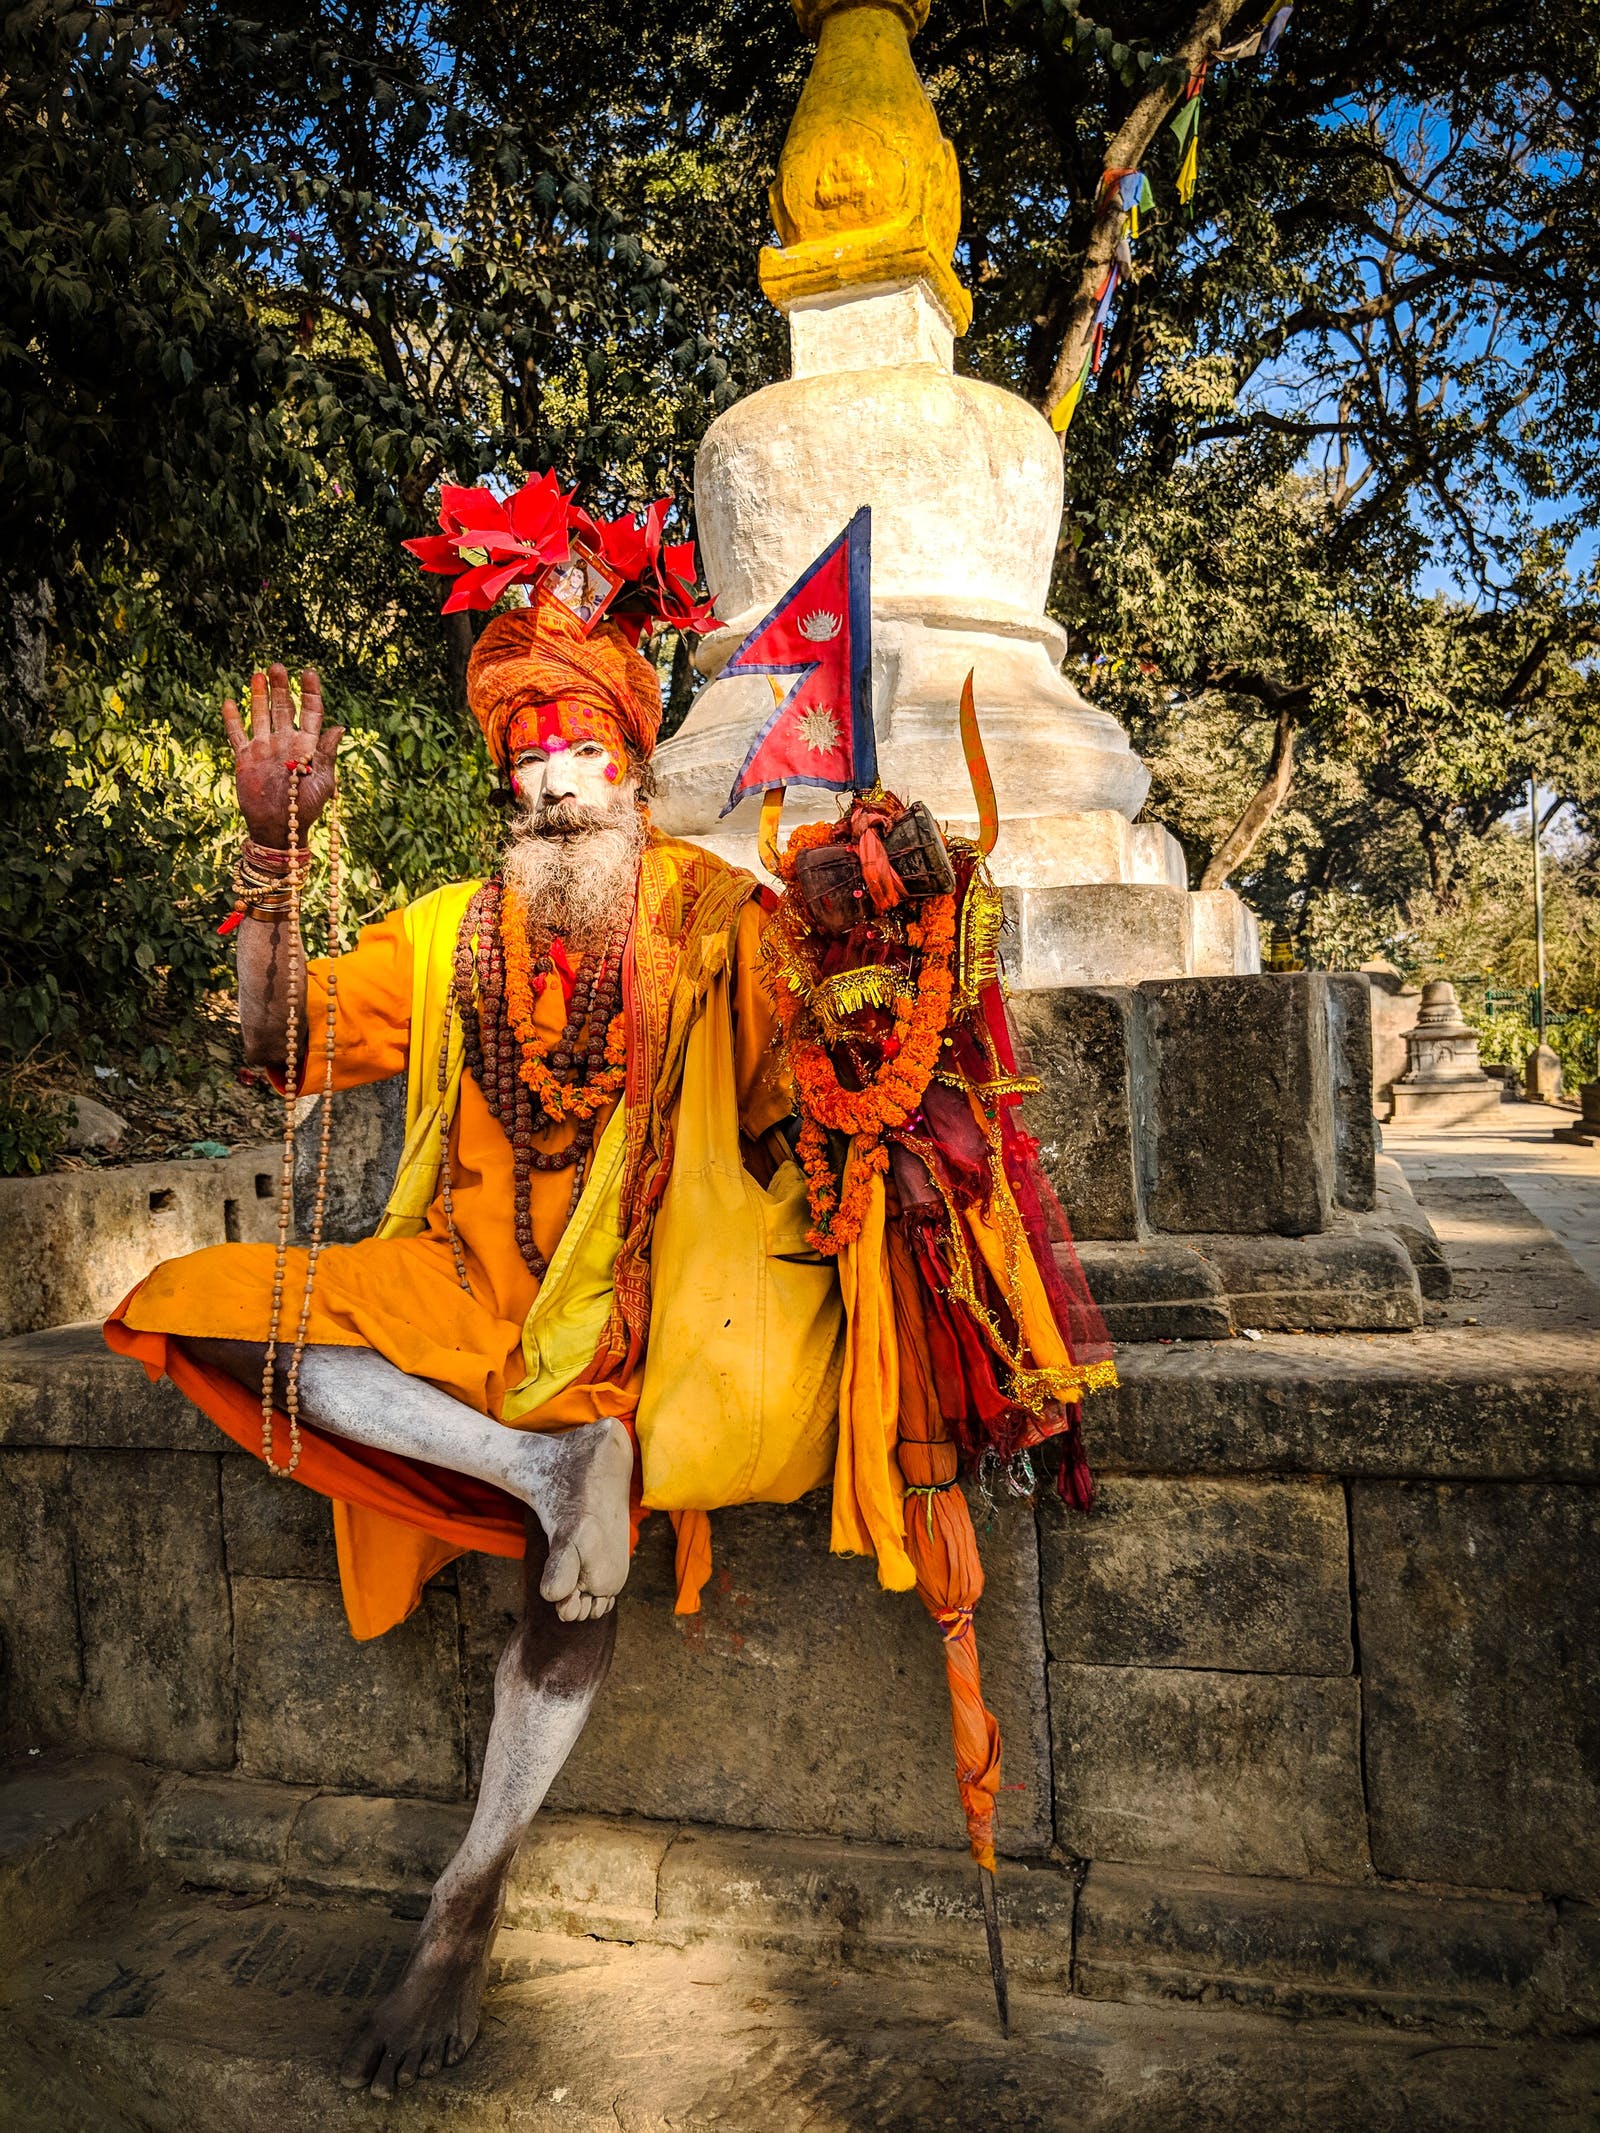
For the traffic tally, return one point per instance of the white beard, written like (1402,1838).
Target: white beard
(580,884)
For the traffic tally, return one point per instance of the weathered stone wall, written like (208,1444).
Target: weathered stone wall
(1327,1647)
(1212,1145)
(77,1240)
(1395,1002)
(1194,1106)
(1313,1690)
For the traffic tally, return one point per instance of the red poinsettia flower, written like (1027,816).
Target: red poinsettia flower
(487,544)
(663,574)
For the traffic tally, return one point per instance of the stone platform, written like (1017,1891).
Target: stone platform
(1210,1199)
(76,1241)
(1298,1721)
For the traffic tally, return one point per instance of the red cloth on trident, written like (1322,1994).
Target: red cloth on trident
(944,1553)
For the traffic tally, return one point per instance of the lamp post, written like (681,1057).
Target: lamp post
(1541,1073)
(1538,902)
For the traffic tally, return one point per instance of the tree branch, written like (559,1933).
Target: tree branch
(1126,150)
(1268,797)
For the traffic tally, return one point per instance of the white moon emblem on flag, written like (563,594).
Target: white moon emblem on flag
(820,627)
(819,729)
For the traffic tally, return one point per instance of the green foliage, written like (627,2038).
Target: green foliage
(1507,1039)
(33,1126)
(266,279)
(1234,598)
(265,283)
(108,912)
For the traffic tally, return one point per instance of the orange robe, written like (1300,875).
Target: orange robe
(397,1520)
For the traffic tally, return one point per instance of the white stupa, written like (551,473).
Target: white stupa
(965,485)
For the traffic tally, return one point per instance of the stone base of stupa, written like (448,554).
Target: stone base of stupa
(1425,1104)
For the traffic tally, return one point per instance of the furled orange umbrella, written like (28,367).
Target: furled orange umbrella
(944,1553)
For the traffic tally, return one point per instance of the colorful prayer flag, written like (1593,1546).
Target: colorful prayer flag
(1067,406)
(1189,170)
(1183,124)
(820,731)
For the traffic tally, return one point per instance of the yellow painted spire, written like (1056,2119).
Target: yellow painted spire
(867,188)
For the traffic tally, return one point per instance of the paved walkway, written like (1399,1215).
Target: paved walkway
(1555,1180)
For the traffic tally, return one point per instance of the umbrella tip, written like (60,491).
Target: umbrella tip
(997,1957)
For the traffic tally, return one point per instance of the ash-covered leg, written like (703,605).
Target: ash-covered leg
(575,1482)
(545,1686)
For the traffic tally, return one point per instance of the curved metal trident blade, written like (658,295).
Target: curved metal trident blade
(978,772)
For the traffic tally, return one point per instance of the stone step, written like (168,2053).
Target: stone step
(212,2015)
(876,1907)
(1395,1956)
(67,1838)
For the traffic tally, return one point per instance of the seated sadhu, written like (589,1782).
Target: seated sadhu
(604,1284)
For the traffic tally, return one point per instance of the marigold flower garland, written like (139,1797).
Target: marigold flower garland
(909,1056)
(556,1098)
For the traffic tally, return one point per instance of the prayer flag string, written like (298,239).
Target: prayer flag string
(1127,192)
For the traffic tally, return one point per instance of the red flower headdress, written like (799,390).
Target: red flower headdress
(488,545)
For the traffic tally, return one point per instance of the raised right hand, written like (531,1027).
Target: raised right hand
(261,759)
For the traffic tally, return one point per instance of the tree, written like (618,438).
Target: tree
(267,278)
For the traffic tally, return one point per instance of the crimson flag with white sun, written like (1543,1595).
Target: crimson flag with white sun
(821,731)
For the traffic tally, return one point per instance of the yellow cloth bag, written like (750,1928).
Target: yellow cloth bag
(741,1380)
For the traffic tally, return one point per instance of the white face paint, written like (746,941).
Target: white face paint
(573,852)
(585,772)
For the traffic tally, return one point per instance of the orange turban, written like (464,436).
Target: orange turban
(536,659)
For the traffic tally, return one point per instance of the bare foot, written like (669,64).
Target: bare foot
(431,2017)
(581,1497)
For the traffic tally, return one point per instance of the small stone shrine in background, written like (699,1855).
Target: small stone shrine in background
(1443,1084)
(1541,1075)
(1584,1131)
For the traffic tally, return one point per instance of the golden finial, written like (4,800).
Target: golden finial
(867,187)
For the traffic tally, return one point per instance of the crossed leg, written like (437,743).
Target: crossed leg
(575,1483)
(544,1688)
(576,1489)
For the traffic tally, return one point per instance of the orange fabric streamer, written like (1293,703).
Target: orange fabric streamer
(691,1558)
(530,656)
(944,1551)
(978,771)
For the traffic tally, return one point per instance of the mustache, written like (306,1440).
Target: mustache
(569,818)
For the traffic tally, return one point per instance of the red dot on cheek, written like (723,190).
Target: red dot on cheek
(612,773)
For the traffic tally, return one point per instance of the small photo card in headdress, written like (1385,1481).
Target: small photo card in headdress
(586,584)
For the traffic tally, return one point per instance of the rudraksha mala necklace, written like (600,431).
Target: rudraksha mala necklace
(529,1085)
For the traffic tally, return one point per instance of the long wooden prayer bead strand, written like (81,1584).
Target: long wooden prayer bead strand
(472,1034)
(319,1208)
(446,1181)
(493,1053)
(291,1045)
(522,1130)
(296,974)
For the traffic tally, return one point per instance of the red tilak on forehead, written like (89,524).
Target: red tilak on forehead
(563,722)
